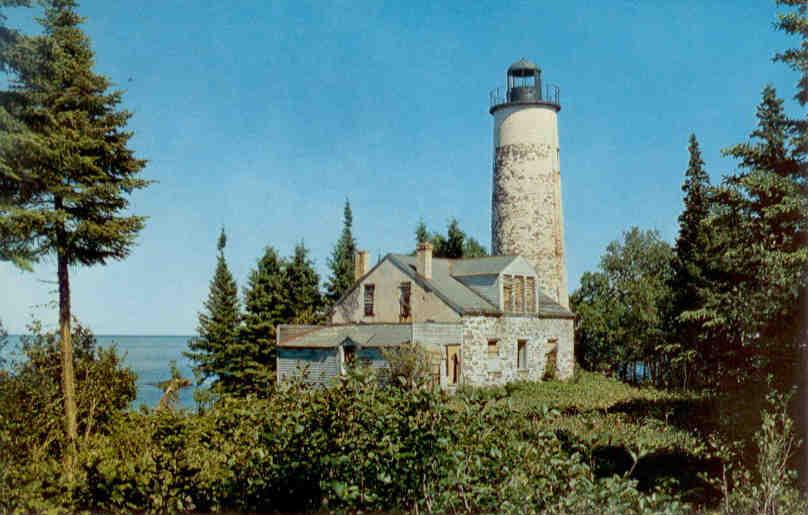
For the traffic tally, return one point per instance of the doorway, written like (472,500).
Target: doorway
(452,364)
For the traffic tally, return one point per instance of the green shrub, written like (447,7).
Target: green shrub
(770,489)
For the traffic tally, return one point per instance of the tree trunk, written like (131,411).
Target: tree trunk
(68,375)
(802,393)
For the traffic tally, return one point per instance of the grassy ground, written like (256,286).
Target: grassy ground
(654,436)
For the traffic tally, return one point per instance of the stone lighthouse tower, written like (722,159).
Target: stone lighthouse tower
(526,214)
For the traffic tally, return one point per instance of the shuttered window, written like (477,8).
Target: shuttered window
(530,294)
(507,293)
(519,294)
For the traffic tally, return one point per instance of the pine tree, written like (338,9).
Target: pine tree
(341,261)
(795,23)
(302,286)
(66,177)
(421,233)
(218,326)
(758,229)
(690,258)
(454,241)
(265,306)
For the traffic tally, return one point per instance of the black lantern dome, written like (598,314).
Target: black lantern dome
(524,86)
(524,82)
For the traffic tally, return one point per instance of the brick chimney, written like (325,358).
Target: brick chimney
(423,263)
(360,264)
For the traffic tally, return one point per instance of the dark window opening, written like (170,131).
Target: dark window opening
(370,291)
(521,354)
(404,293)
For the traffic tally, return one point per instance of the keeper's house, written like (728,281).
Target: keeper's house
(484,321)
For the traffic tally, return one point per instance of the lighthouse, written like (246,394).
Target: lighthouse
(526,214)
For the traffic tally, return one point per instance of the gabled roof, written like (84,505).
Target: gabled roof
(489,265)
(329,336)
(461,298)
(457,295)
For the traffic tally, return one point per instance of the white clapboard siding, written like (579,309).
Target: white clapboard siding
(318,366)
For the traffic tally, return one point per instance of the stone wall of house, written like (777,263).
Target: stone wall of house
(479,369)
(526,215)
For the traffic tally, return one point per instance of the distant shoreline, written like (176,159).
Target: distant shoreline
(125,335)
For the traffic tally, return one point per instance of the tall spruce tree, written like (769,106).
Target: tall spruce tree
(341,260)
(795,23)
(66,177)
(218,326)
(302,286)
(690,257)
(265,306)
(758,229)
(421,233)
(455,238)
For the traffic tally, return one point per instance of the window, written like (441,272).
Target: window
(493,363)
(507,293)
(530,294)
(493,349)
(519,294)
(521,354)
(370,291)
(404,291)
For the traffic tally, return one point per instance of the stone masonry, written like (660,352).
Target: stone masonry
(507,330)
(526,212)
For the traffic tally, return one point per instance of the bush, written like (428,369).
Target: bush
(361,445)
(409,365)
(771,489)
(31,415)
(356,446)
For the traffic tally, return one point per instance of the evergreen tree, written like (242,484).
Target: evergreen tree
(795,23)
(456,243)
(473,248)
(66,177)
(421,232)
(341,261)
(455,238)
(302,286)
(690,258)
(265,306)
(218,326)
(758,229)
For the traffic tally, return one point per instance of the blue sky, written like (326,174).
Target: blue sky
(264,116)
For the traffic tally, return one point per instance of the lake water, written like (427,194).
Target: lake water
(148,356)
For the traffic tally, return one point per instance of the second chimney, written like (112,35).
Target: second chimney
(423,263)
(360,264)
